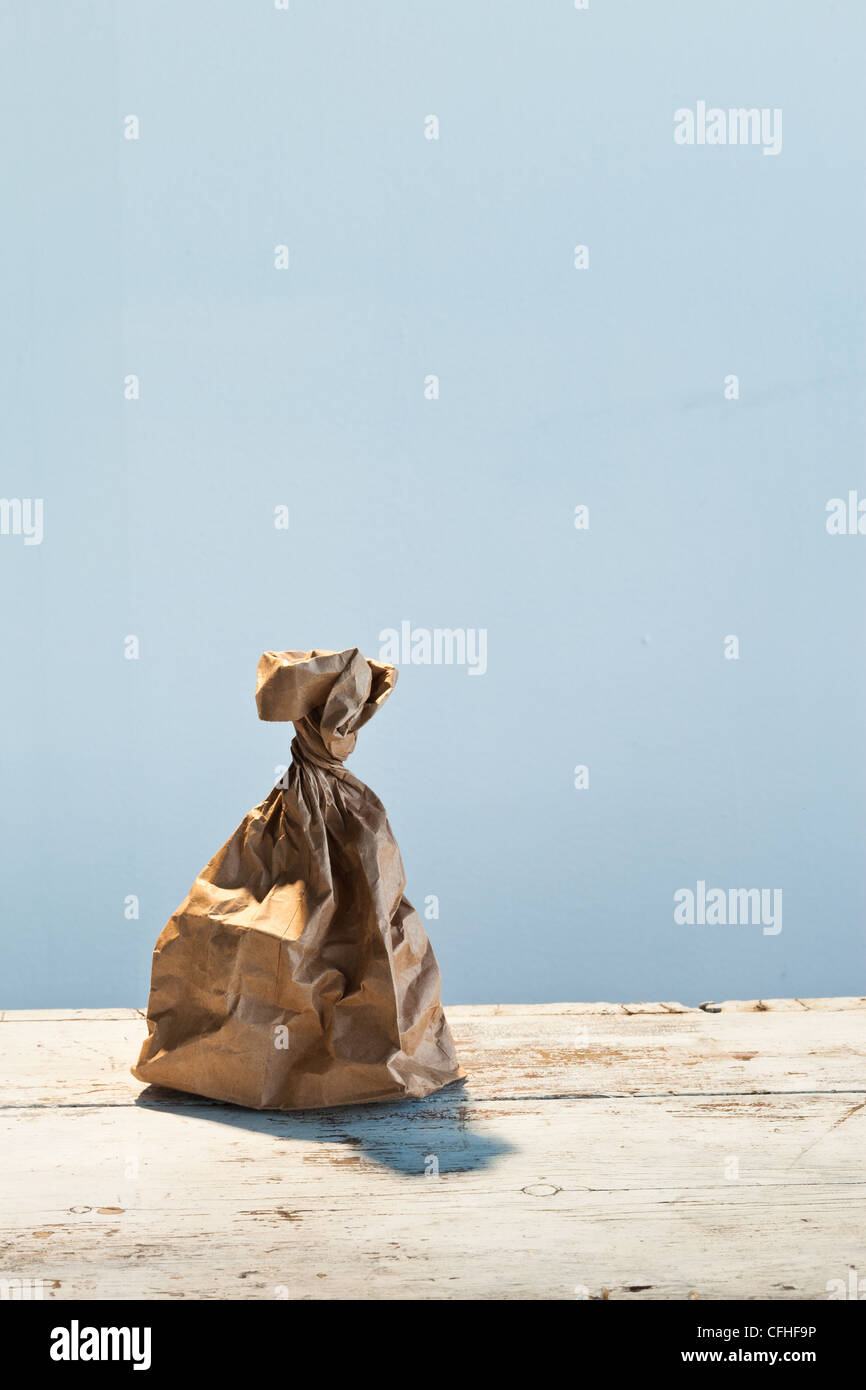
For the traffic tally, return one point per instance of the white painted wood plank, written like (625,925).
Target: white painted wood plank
(457,1011)
(631,1155)
(533,1200)
(68,1015)
(45,1062)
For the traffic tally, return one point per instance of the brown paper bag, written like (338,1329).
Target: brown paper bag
(296,974)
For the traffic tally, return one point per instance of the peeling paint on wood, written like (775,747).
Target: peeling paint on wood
(596,1151)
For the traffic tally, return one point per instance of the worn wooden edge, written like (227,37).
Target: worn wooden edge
(457,1011)
(69,1015)
(828,1005)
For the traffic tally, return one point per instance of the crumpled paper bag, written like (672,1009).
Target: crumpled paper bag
(296,974)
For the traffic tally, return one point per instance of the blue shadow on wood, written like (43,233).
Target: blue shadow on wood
(441,1134)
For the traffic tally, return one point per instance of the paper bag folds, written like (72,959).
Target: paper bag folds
(296,974)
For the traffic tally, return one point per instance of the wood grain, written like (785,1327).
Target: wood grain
(622,1151)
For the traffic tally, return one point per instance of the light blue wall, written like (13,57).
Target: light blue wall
(603,386)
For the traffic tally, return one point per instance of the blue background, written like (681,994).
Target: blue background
(305,387)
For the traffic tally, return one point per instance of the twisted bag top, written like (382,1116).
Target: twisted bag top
(326,695)
(296,973)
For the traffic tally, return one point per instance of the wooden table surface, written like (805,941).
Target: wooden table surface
(613,1151)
